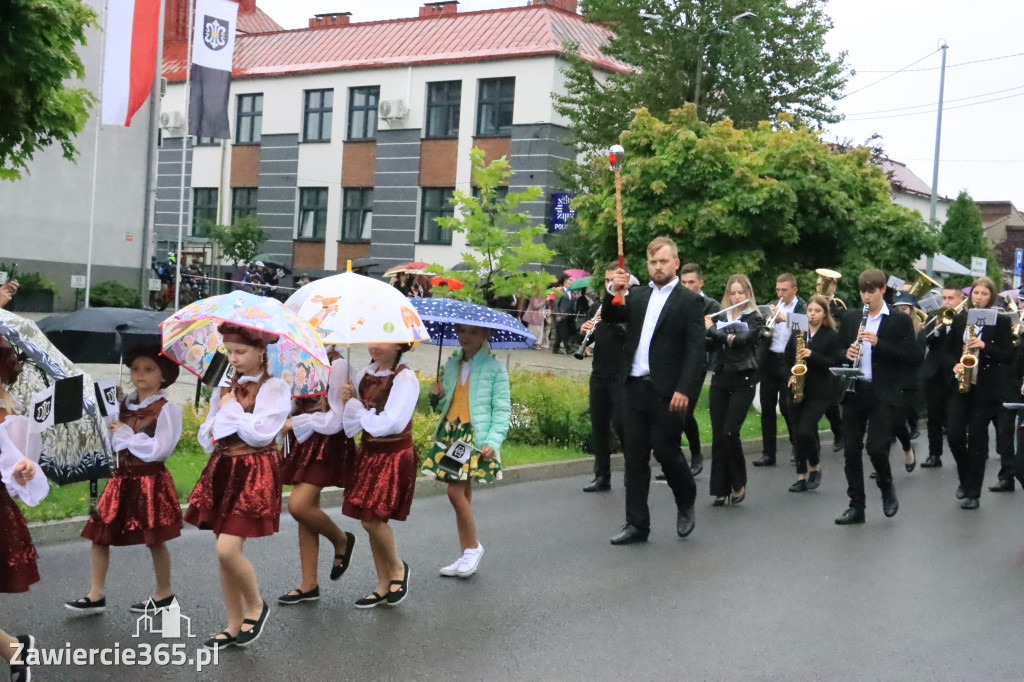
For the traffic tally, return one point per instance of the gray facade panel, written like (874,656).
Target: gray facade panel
(275,194)
(397,252)
(276,202)
(279,154)
(395,195)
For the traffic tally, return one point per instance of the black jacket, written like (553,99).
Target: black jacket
(995,360)
(676,353)
(609,342)
(826,352)
(895,351)
(740,356)
(938,361)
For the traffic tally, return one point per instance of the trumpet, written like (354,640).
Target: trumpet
(800,368)
(769,324)
(969,360)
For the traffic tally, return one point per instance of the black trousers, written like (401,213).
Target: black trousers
(1014,468)
(937,390)
(804,416)
(864,414)
(565,333)
(901,424)
(969,419)
(690,428)
(606,396)
(774,376)
(835,420)
(729,400)
(651,426)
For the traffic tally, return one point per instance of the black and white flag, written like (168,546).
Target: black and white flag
(213,45)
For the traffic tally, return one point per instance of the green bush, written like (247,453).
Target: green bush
(29,281)
(114,295)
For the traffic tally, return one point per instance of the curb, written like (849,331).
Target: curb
(68,530)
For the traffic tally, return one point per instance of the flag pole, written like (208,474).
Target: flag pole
(184,159)
(95,164)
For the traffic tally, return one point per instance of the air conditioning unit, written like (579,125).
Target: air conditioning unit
(172,120)
(391,109)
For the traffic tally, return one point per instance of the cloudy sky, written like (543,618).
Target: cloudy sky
(982,144)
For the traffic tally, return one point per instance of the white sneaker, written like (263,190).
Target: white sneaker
(470,561)
(452,569)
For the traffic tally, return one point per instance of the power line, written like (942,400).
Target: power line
(932,104)
(971,160)
(948,66)
(889,76)
(932,111)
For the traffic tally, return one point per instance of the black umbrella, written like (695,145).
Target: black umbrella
(102,335)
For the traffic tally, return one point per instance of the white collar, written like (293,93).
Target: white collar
(250,379)
(884,311)
(134,396)
(378,371)
(667,288)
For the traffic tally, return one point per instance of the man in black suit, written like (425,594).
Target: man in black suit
(691,277)
(883,350)
(663,358)
(937,378)
(774,370)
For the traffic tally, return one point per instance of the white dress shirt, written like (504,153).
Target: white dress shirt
(17,442)
(865,350)
(782,331)
(397,412)
(161,444)
(330,422)
(641,360)
(258,428)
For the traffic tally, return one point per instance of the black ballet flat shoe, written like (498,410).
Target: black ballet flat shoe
(86,605)
(22,672)
(910,467)
(813,480)
(630,535)
(850,517)
(719,501)
(970,503)
(799,487)
(246,638)
(218,642)
(371,600)
(932,462)
(151,605)
(297,596)
(960,492)
(395,597)
(338,570)
(1005,485)
(736,499)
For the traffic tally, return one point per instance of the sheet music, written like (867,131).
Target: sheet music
(798,322)
(733,327)
(981,316)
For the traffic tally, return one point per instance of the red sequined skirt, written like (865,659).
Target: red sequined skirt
(138,507)
(385,480)
(17,553)
(321,461)
(238,494)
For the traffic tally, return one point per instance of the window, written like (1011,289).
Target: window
(443,100)
(243,202)
(312,212)
(204,210)
(362,113)
(435,205)
(357,215)
(494,106)
(319,109)
(249,123)
(207,141)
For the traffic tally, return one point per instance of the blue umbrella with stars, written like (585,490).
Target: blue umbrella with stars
(440,315)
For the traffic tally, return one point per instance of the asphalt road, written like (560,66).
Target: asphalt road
(767,590)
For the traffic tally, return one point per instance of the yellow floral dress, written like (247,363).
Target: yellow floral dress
(457,425)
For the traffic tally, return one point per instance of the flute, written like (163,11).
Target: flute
(725,310)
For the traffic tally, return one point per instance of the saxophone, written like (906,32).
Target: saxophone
(800,368)
(969,360)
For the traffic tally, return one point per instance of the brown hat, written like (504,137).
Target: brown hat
(10,365)
(168,368)
(236,333)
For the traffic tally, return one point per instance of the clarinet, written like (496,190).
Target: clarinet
(852,388)
(581,352)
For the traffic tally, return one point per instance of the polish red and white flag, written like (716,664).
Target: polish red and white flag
(129,65)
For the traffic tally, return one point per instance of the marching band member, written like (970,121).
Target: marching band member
(691,277)
(977,401)
(731,393)
(774,370)
(881,345)
(821,351)
(828,281)
(905,304)
(937,376)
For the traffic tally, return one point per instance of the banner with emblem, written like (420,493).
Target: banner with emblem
(213,47)
(106,398)
(58,403)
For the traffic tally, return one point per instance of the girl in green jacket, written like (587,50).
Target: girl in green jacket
(476,406)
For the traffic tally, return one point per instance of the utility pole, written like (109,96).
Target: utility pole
(934,202)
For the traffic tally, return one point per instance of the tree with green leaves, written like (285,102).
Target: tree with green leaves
(745,60)
(963,236)
(39,40)
(759,201)
(504,249)
(240,241)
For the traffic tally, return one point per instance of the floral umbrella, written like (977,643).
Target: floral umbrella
(350,308)
(191,339)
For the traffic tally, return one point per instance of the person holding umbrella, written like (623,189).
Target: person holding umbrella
(476,407)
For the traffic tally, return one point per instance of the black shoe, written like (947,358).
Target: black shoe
(890,505)
(630,535)
(799,487)
(1005,485)
(598,485)
(371,600)
(960,492)
(556,352)
(837,446)
(970,503)
(873,475)
(696,464)
(22,672)
(297,595)
(246,638)
(85,605)
(218,642)
(914,434)
(396,596)
(151,605)
(719,501)
(765,461)
(660,477)
(338,570)
(850,517)
(931,462)
(736,499)
(813,479)
(685,522)
(910,467)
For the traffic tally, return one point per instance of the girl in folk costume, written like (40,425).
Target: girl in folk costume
(477,409)
(139,504)
(238,495)
(385,474)
(19,476)
(324,456)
